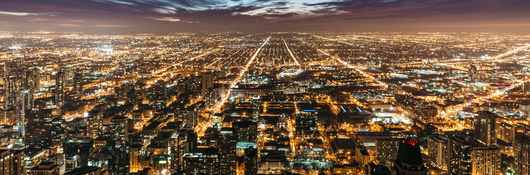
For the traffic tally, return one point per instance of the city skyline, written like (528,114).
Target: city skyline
(265,87)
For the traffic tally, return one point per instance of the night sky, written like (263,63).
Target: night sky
(165,16)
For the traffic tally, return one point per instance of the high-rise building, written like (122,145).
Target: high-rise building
(78,86)
(247,131)
(459,156)
(182,86)
(119,128)
(521,147)
(14,87)
(484,132)
(505,132)
(60,85)
(18,162)
(12,162)
(136,154)
(118,159)
(409,160)
(201,161)
(95,123)
(437,147)
(486,160)
(227,151)
(306,122)
(251,161)
(206,83)
(386,149)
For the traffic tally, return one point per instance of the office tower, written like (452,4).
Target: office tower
(386,149)
(486,160)
(437,147)
(409,160)
(60,85)
(58,134)
(20,110)
(459,156)
(227,151)
(29,88)
(256,107)
(505,132)
(95,123)
(521,150)
(6,166)
(118,159)
(18,162)
(119,127)
(78,86)
(12,162)
(191,116)
(306,122)
(136,154)
(201,161)
(191,140)
(211,97)
(182,86)
(484,132)
(140,92)
(14,87)
(251,161)
(206,82)
(38,129)
(247,131)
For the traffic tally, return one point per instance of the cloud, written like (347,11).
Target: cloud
(69,25)
(168,19)
(18,13)
(105,25)
(37,20)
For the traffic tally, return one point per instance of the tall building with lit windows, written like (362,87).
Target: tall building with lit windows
(60,85)
(521,147)
(206,83)
(486,160)
(78,86)
(459,156)
(306,122)
(484,132)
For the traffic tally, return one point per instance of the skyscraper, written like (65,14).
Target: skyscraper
(459,156)
(207,82)
(386,149)
(486,160)
(251,161)
(521,150)
(438,152)
(227,151)
(60,85)
(14,86)
(484,132)
(306,122)
(78,86)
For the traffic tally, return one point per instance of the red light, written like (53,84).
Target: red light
(410,141)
